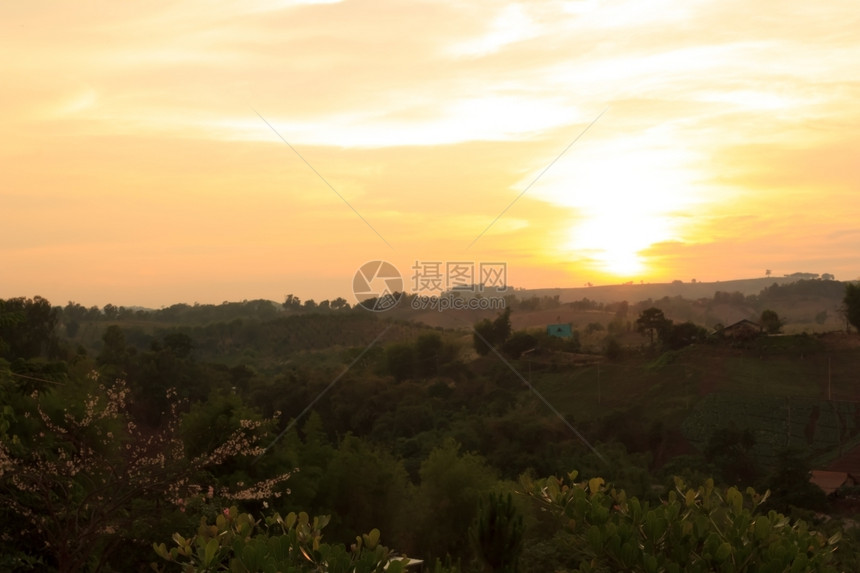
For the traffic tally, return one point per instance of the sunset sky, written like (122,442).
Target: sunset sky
(142,159)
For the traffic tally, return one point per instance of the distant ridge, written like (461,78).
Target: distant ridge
(637,292)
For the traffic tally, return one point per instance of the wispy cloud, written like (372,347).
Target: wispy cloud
(133,117)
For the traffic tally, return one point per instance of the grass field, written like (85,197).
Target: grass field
(778,389)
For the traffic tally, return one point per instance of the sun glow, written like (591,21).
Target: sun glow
(613,240)
(630,195)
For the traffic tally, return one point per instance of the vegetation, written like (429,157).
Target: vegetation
(770,321)
(693,529)
(240,543)
(852,304)
(212,425)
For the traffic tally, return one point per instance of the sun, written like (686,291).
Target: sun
(628,195)
(613,242)
(621,263)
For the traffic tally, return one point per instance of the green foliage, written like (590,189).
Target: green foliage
(790,486)
(593,327)
(400,359)
(27,328)
(497,534)
(518,343)
(702,529)
(114,352)
(494,333)
(483,336)
(613,348)
(680,335)
(852,304)
(731,450)
(238,543)
(502,326)
(428,353)
(816,425)
(79,478)
(363,487)
(652,321)
(451,484)
(770,321)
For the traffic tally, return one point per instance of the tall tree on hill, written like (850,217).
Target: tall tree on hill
(852,304)
(653,321)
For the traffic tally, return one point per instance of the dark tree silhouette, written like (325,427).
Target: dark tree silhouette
(852,304)
(653,321)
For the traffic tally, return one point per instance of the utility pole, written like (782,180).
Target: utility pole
(529,351)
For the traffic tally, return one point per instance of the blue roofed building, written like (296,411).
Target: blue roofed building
(559,330)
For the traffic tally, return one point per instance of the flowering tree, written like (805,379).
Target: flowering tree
(79,478)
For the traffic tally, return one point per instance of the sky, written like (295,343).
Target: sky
(161,152)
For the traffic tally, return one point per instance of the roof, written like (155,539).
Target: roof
(741,328)
(560,330)
(743,323)
(831,481)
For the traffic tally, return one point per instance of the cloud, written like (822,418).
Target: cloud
(729,138)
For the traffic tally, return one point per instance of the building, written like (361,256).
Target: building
(741,330)
(559,330)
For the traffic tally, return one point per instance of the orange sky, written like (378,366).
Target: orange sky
(135,170)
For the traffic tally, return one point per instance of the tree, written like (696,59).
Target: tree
(684,334)
(451,484)
(497,534)
(487,334)
(110,311)
(364,487)
(732,451)
(502,327)
(427,353)
(81,482)
(767,272)
(292,302)
(653,321)
(179,343)
(400,359)
(114,352)
(518,343)
(593,327)
(770,321)
(27,328)
(852,304)
(614,351)
(790,486)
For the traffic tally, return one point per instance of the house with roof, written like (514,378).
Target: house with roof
(559,330)
(741,330)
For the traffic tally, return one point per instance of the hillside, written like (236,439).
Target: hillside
(644,291)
